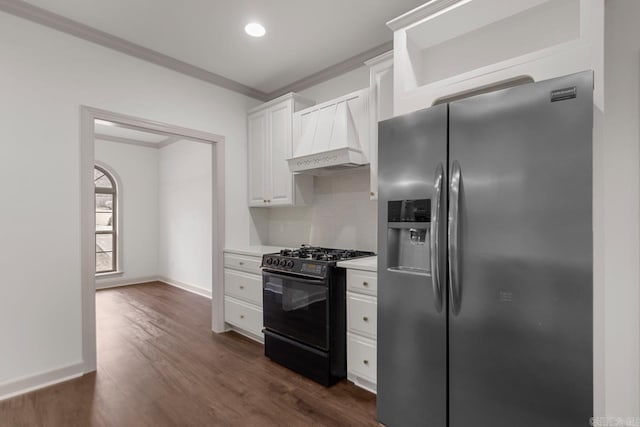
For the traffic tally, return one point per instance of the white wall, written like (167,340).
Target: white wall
(137,172)
(44,79)
(185,179)
(337,86)
(618,186)
(341,216)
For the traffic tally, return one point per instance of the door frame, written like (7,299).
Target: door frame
(87,237)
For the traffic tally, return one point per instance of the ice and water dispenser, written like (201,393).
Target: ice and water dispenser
(409,229)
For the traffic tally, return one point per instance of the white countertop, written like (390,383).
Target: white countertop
(257,250)
(369,263)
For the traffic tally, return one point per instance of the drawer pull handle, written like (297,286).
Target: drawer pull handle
(242,316)
(241,286)
(366,362)
(365,318)
(365,284)
(240,263)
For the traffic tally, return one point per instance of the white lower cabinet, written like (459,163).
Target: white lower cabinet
(243,294)
(247,317)
(361,361)
(362,328)
(362,314)
(243,286)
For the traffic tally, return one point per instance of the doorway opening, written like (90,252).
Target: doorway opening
(152,200)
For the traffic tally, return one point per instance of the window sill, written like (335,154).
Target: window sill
(109,274)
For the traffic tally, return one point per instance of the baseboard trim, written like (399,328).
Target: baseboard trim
(115,283)
(185,286)
(44,379)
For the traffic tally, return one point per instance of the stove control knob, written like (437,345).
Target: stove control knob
(283,262)
(269,261)
(290,264)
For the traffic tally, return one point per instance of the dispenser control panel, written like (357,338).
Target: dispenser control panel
(417,210)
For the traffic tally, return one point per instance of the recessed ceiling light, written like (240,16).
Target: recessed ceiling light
(254,29)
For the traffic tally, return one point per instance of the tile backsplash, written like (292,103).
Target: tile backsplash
(342,216)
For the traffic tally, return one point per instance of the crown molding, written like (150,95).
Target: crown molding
(421,12)
(41,16)
(333,71)
(22,9)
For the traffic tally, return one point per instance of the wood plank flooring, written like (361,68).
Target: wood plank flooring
(159,364)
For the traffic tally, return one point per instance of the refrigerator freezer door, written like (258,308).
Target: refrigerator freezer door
(521,335)
(412,353)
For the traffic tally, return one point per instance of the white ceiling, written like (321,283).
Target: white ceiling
(303,36)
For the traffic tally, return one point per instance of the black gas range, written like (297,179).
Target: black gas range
(304,306)
(309,260)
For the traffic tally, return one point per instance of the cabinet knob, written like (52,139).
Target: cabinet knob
(241,286)
(264,200)
(365,284)
(366,362)
(365,318)
(372,193)
(242,316)
(240,263)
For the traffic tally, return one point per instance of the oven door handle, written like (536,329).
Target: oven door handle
(273,288)
(316,282)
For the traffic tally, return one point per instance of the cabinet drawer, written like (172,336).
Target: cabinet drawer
(365,282)
(362,357)
(244,286)
(243,315)
(362,314)
(243,262)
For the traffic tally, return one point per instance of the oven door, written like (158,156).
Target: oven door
(297,307)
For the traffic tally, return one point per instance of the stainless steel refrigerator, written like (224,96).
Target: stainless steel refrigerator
(485,260)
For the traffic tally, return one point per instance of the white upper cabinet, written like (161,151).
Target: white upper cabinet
(450,48)
(280,178)
(270,143)
(257,138)
(380,106)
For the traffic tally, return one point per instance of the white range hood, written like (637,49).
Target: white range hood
(332,136)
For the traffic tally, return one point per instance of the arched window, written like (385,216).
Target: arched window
(106,220)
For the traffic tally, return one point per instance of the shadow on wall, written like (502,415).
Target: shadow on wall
(342,216)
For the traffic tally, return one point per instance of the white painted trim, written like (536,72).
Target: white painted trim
(100,276)
(422,12)
(285,97)
(122,140)
(116,283)
(44,379)
(332,71)
(379,59)
(41,16)
(186,287)
(87,234)
(110,284)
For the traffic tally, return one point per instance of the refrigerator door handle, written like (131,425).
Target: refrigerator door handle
(435,240)
(453,241)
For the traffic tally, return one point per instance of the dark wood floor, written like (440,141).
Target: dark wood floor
(160,365)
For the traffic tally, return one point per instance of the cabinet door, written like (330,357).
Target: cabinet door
(381,107)
(257,148)
(279,178)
